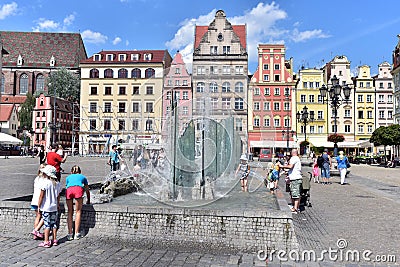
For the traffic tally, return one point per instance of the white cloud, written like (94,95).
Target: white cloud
(46,24)
(8,10)
(126,42)
(261,22)
(69,19)
(93,37)
(116,41)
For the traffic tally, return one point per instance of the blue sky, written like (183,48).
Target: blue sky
(313,31)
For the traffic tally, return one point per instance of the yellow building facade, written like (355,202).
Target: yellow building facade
(121,98)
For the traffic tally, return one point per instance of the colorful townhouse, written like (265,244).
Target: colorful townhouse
(121,98)
(271,113)
(396,81)
(383,83)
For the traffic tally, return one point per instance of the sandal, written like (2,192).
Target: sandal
(55,242)
(293,210)
(37,234)
(45,244)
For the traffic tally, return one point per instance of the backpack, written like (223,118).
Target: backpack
(320,161)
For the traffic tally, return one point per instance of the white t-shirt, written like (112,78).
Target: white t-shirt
(295,172)
(49,203)
(36,190)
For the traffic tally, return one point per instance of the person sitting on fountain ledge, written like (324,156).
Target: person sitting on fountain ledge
(244,167)
(115,158)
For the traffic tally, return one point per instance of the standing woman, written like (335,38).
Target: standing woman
(76,185)
(42,155)
(342,166)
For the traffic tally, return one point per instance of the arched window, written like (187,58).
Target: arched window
(239,87)
(39,83)
(226,87)
(123,73)
(213,87)
(23,84)
(136,73)
(2,84)
(94,73)
(149,73)
(200,87)
(108,73)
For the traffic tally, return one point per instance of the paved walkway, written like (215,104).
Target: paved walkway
(364,215)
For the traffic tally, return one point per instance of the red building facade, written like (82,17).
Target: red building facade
(271,114)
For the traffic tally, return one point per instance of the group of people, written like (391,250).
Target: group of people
(322,166)
(46,198)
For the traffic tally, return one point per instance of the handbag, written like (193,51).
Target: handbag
(347,164)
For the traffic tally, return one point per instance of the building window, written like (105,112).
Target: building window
(265,67)
(136,73)
(286,122)
(320,129)
(92,124)
(109,57)
(23,84)
(256,122)
(39,83)
(147,56)
(149,90)
(311,98)
(185,110)
(368,84)
(305,84)
(267,91)
(177,71)
(347,113)
(390,98)
(334,128)
(2,90)
(177,82)
(93,90)
(135,125)
(369,114)
(286,106)
(320,99)
(214,103)
(213,87)
(239,103)
(135,90)
(149,107)
(311,85)
(303,98)
(107,107)
(389,85)
(213,50)
(149,125)
(121,57)
(381,114)
(390,114)
(226,103)
(266,77)
(381,98)
(277,91)
(277,77)
(122,73)
(369,129)
(185,82)
(239,87)
(107,124)
(320,115)
(361,114)
(267,106)
(226,69)
(97,57)
(226,49)
(256,91)
(94,73)
(200,70)
(169,95)
(135,107)
(277,67)
(239,125)
(135,57)
(226,87)
(213,70)
(277,122)
(276,106)
(121,107)
(107,90)
(149,73)
(361,84)
(200,87)
(360,128)
(185,95)
(122,90)
(369,98)
(108,73)
(93,107)
(121,125)
(239,70)
(267,122)
(256,105)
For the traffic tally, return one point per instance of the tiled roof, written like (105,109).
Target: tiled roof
(17,99)
(5,111)
(37,48)
(240,31)
(157,56)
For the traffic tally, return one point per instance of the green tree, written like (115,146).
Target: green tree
(65,83)
(25,113)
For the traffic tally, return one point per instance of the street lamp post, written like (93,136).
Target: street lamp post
(335,99)
(305,117)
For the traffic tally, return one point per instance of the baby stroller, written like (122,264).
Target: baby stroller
(305,191)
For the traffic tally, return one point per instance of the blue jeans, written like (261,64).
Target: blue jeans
(325,172)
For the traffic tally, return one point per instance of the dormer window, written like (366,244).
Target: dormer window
(147,56)
(52,61)
(121,57)
(97,57)
(20,61)
(109,57)
(135,56)
(220,37)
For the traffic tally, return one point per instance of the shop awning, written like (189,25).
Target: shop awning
(344,144)
(272,143)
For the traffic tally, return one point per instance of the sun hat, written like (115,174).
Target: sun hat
(341,152)
(243,157)
(49,171)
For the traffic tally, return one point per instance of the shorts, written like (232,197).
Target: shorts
(74,192)
(50,219)
(244,175)
(325,172)
(34,207)
(295,188)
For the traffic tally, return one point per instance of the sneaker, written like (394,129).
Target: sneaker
(78,236)
(45,244)
(37,234)
(55,242)
(70,237)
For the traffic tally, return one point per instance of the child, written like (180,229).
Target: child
(244,167)
(34,204)
(315,172)
(49,200)
(275,174)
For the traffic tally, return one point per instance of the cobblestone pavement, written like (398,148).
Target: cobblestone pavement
(363,214)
